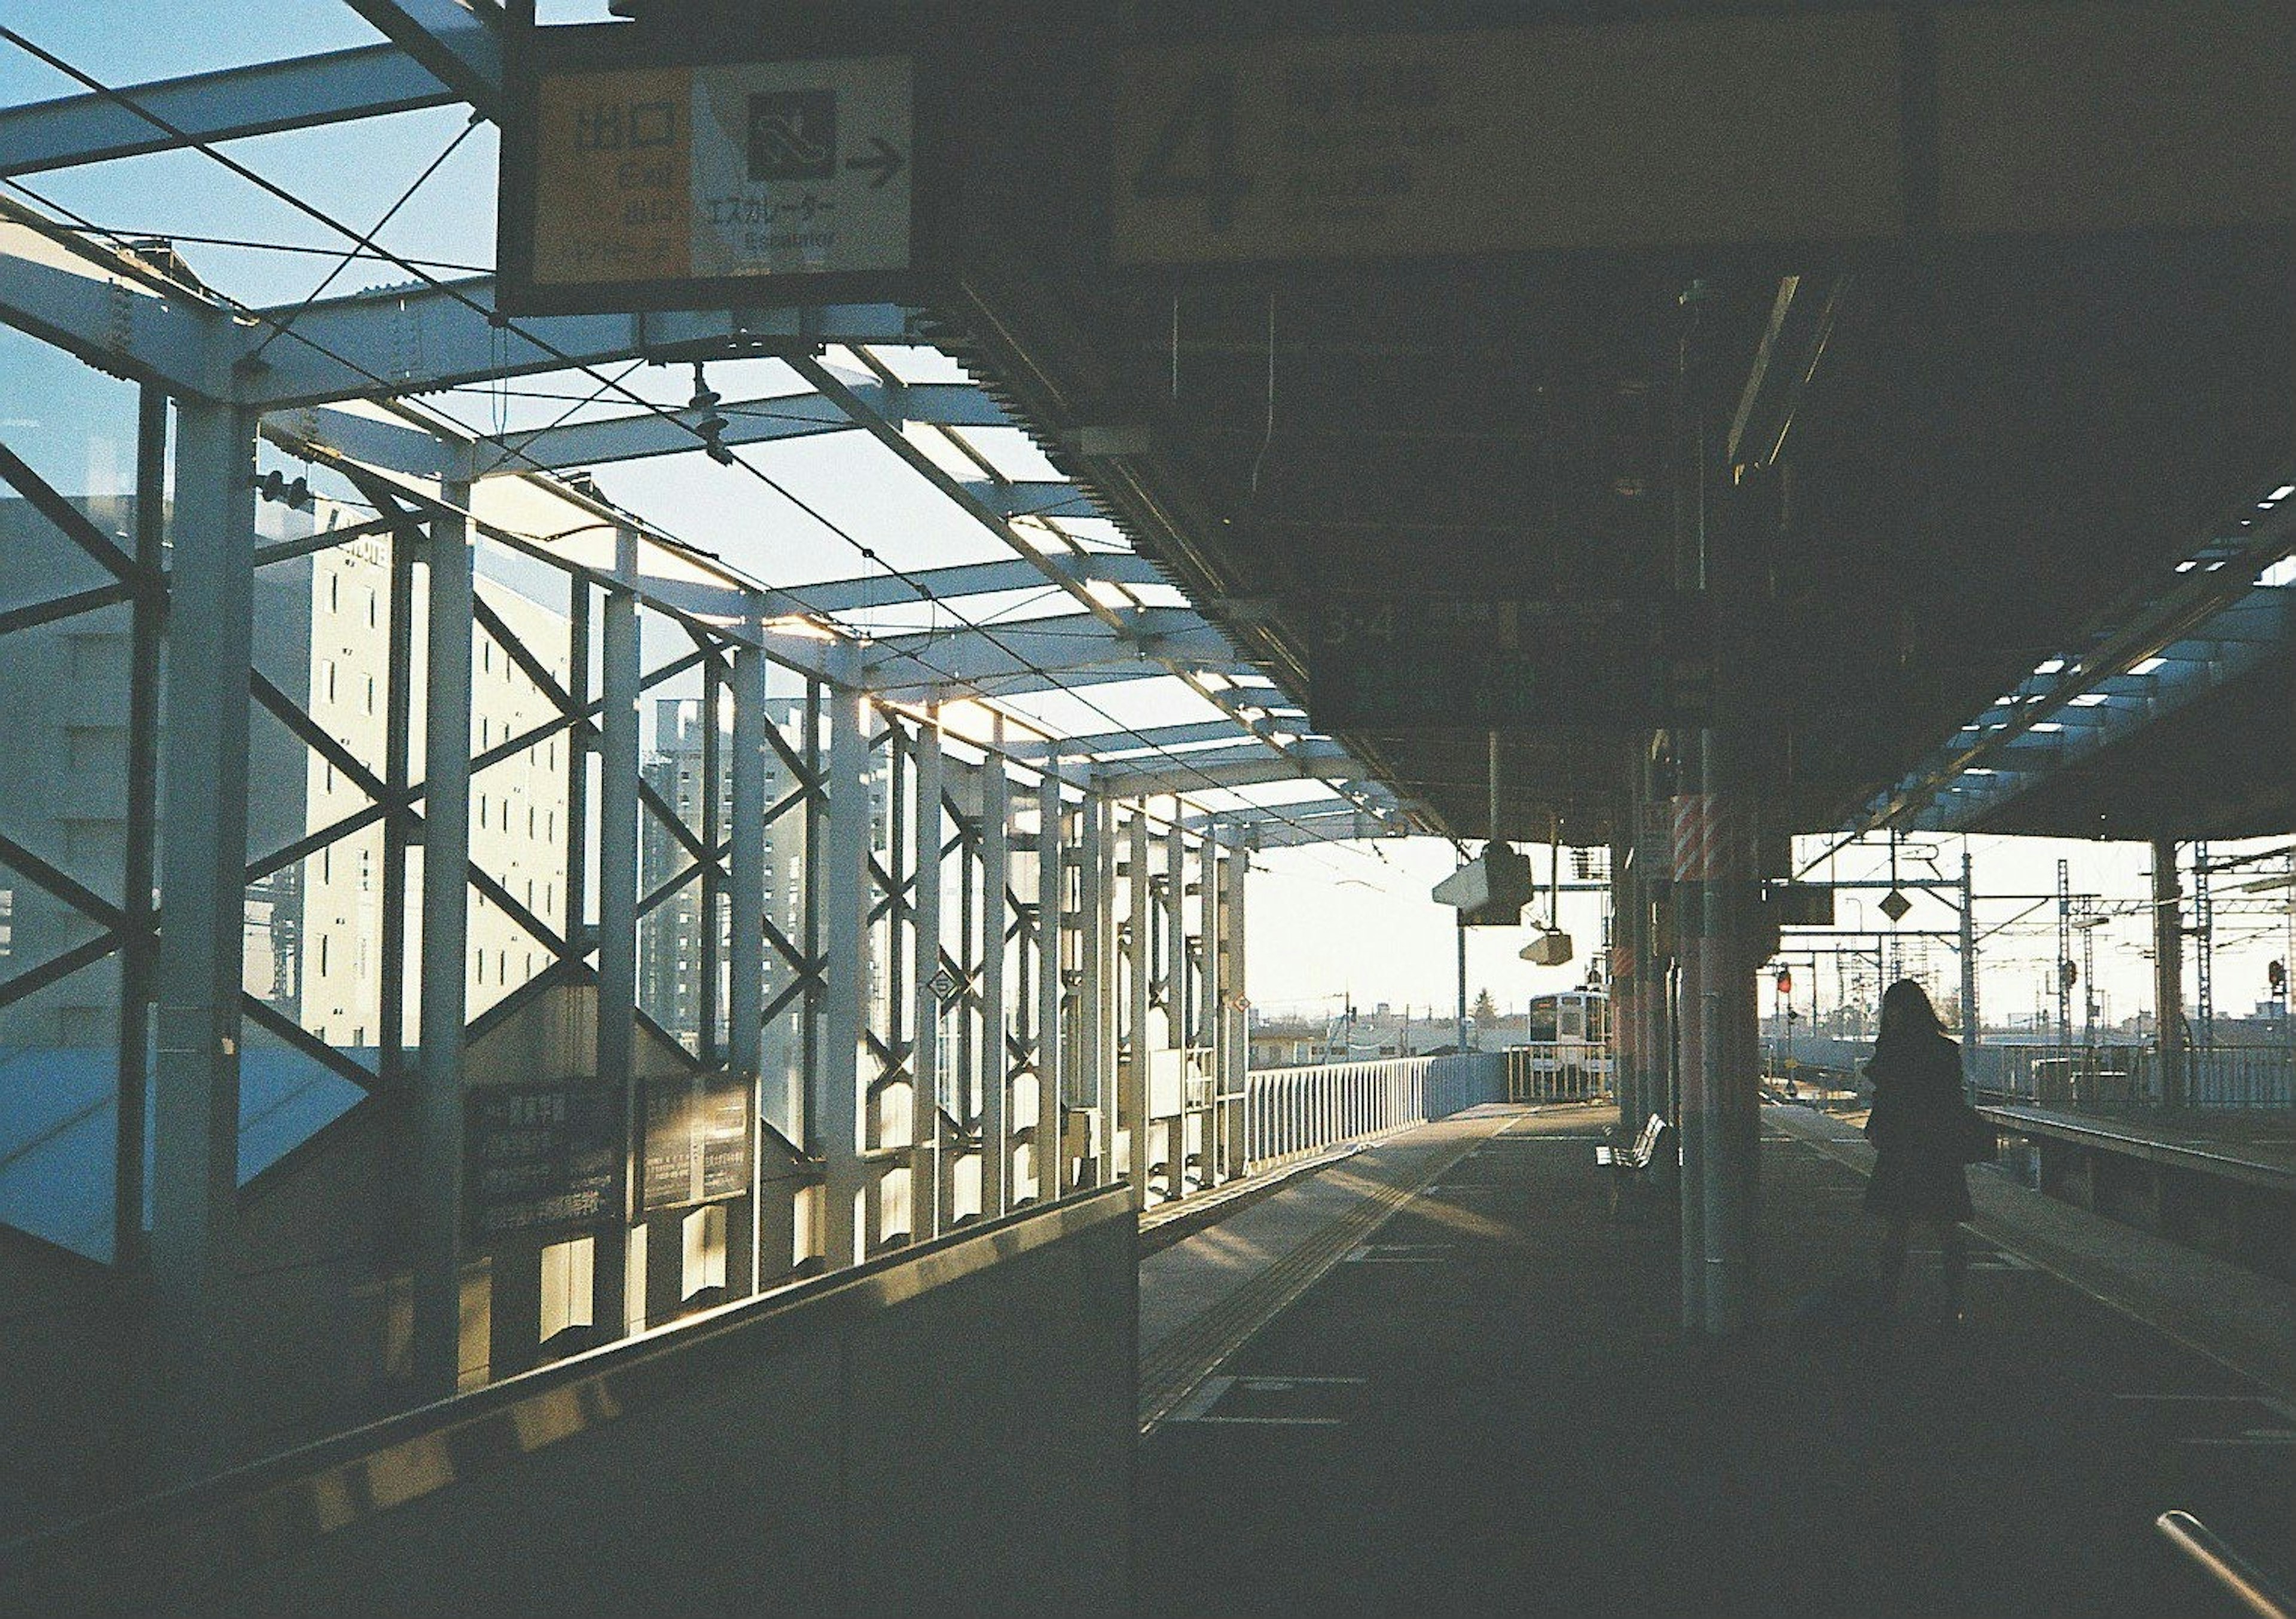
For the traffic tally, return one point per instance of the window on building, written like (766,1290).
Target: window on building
(330,669)
(322,958)
(334,593)
(478,965)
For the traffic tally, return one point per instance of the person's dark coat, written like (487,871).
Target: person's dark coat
(1919,1128)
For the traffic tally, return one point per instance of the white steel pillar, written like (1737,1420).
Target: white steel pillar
(620,1261)
(1211,1018)
(1236,1065)
(996,1054)
(1051,891)
(1175,990)
(1139,954)
(833,1116)
(436,1194)
(1095,1002)
(195,1125)
(745,962)
(924,1055)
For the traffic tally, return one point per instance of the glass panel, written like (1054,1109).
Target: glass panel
(59,1087)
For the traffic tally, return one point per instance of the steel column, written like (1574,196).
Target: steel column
(436,1191)
(1236,1069)
(1141,909)
(996,1054)
(1175,994)
(620,1257)
(745,998)
(1094,899)
(924,1054)
(195,1180)
(2168,971)
(138,946)
(1052,1059)
(833,1120)
(1211,1022)
(1970,1023)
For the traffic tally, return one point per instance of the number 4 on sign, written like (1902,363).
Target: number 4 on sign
(1195,152)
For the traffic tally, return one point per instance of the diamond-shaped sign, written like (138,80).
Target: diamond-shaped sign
(944,984)
(1895,904)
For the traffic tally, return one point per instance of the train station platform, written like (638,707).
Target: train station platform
(1465,1389)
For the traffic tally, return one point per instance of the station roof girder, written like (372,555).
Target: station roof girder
(300,92)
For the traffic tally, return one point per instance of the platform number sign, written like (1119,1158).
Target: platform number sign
(1194,154)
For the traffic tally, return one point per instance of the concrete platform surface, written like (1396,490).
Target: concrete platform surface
(1489,1407)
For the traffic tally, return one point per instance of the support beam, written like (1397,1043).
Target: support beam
(833,1120)
(437,1114)
(100,307)
(650,433)
(928,782)
(994,1055)
(1095,1081)
(1031,499)
(1140,912)
(747,914)
(459,42)
(1058,645)
(1149,738)
(380,344)
(762,420)
(1175,994)
(1236,1058)
(1052,1058)
(2168,971)
(968,579)
(195,1182)
(620,1259)
(1211,1018)
(1248,765)
(301,93)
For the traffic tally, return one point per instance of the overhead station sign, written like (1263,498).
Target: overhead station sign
(1802,124)
(1435,664)
(1508,140)
(749,183)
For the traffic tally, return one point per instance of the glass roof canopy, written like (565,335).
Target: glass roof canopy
(821,476)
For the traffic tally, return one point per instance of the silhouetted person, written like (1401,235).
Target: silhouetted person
(1922,1129)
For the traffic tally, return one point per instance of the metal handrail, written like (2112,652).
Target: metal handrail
(2237,1577)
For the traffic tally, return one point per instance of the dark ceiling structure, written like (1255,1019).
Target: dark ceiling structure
(2001,431)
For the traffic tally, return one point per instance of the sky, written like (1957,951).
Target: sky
(1327,923)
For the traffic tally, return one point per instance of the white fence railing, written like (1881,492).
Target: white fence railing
(1290,1111)
(2116,1077)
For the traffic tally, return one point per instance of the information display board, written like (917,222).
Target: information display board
(682,185)
(1422,664)
(542,1157)
(696,1140)
(1550,138)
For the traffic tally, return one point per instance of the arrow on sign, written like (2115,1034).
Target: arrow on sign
(887,160)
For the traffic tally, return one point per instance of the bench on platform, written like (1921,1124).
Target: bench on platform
(1632,1166)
